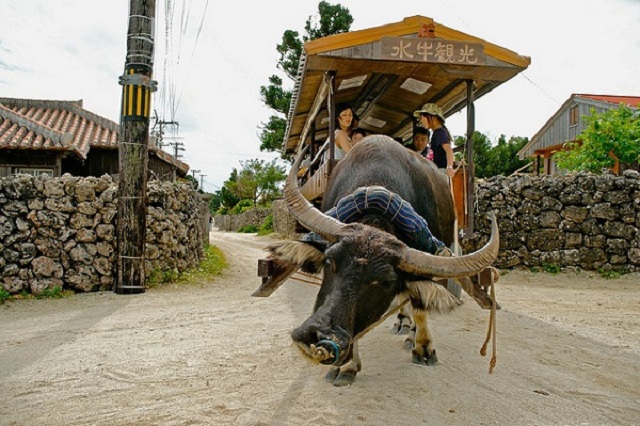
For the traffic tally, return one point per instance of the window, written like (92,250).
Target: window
(573,116)
(33,171)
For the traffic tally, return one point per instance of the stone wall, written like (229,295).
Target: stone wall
(233,222)
(579,221)
(61,232)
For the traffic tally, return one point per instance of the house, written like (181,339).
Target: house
(565,126)
(58,137)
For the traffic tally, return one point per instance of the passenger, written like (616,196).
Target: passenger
(420,142)
(432,117)
(344,118)
(357,134)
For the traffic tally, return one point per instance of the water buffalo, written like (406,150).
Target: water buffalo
(386,251)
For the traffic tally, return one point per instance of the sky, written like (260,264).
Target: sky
(211,58)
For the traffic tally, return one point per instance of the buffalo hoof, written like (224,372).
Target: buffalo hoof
(424,357)
(337,378)
(331,375)
(345,378)
(408,344)
(401,328)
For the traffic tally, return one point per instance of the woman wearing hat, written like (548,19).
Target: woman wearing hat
(431,117)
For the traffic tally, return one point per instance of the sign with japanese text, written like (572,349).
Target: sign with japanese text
(432,50)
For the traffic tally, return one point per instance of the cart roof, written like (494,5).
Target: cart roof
(388,72)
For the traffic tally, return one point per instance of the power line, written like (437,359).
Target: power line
(539,88)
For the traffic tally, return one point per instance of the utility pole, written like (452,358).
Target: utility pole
(202,181)
(177,147)
(133,147)
(161,124)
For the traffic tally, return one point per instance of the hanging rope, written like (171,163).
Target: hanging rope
(491,331)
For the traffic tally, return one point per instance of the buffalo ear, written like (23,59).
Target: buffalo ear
(432,297)
(305,255)
(286,258)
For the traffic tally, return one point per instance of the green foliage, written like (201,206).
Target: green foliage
(213,264)
(225,198)
(48,293)
(51,293)
(290,51)
(609,274)
(267,225)
(615,132)
(274,96)
(162,276)
(215,203)
(249,229)
(4,295)
(242,207)
(258,180)
(551,268)
(331,19)
(272,134)
(501,159)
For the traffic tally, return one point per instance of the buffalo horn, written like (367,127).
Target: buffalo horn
(425,264)
(303,210)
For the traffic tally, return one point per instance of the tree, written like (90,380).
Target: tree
(611,135)
(227,198)
(489,160)
(215,202)
(502,159)
(331,19)
(258,181)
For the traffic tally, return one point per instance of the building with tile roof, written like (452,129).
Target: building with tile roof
(565,126)
(58,137)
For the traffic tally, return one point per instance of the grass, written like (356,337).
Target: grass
(609,274)
(48,293)
(213,264)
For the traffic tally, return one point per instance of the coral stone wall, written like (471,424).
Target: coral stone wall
(61,232)
(233,222)
(584,221)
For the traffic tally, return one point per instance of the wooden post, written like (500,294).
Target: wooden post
(133,147)
(331,107)
(471,172)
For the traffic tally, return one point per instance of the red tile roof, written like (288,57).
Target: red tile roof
(49,125)
(633,101)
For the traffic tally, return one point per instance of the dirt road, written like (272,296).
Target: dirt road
(568,354)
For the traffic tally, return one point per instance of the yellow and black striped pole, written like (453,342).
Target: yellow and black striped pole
(133,148)
(136,94)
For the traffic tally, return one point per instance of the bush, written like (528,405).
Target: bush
(267,225)
(242,207)
(249,229)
